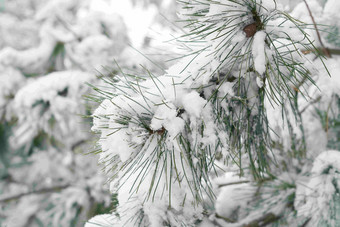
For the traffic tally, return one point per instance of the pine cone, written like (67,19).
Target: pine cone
(250,29)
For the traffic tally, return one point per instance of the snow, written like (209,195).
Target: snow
(327,159)
(42,100)
(134,141)
(231,197)
(137,19)
(104,220)
(258,51)
(166,116)
(113,145)
(217,7)
(259,82)
(300,12)
(226,89)
(95,51)
(269,5)
(193,103)
(47,87)
(19,34)
(31,60)
(10,80)
(315,196)
(206,223)
(29,207)
(331,11)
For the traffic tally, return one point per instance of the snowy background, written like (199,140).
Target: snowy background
(78,78)
(50,53)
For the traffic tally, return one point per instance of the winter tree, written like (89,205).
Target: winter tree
(243,130)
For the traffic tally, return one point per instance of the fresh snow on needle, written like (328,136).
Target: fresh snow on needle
(258,50)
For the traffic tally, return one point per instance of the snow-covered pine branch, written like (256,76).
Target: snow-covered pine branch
(228,135)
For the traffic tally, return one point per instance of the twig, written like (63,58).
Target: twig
(73,60)
(331,51)
(79,143)
(3,116)
(4,199)
(224,218)
(334,51)
(68,27)
(310,103)
(232,183)
(306,222)
(327,117)
(260,222)
(263,221)
(324,49)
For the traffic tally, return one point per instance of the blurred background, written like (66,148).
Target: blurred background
(51,52)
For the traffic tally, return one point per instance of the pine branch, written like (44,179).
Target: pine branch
(224,218)
(68,27)
(320,49)
(260,222)
(4,199)
(324,49)
(317,99)
(306,222)
(233,183)
(77,144)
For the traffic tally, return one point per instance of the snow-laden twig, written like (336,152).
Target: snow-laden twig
(6,198)
(324,49)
